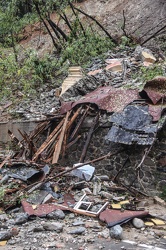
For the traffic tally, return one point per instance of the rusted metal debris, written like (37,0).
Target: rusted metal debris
(155,89)
(106,98)
(113,217)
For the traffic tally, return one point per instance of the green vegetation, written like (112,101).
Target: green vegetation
(23,71)
(80,51)
(148,73)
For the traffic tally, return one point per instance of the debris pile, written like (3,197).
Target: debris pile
(35,182)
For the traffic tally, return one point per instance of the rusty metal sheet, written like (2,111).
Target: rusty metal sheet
(156,111)
(41,210)
(68,200)
(106,98)
(113,217)
(155,89)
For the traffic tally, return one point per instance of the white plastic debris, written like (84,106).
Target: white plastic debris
(85,172)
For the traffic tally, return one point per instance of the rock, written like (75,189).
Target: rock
(114,67)
(116,232)
(14,231)
(104,233)
(159,201)
(21,218)
(3,217)
(143,204)
(147,64)
(57,214)
(106,195)
(101,178)
(38,228)
(86,191)
(92,224)
(78,223)
(79,230)
(94,72)
(5,235)
(96,188)
(138,223)
(147,57)
(54,226)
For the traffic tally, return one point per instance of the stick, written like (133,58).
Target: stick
(80,165)
(153,35)
(83,155)
(113,40)
(75,131)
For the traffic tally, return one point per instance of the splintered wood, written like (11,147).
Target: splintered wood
(48,142)
(58,145)
(51,138)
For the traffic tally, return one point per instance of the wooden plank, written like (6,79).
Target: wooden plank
(54,133)
(59,143)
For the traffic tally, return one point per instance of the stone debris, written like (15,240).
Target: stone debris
(54,226)
(57,214)
(148,58)
(116,232)
(114,67)
(138,223)
(73,206)
(79,230)
(21,218)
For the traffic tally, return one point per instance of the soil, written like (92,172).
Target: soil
(142,19)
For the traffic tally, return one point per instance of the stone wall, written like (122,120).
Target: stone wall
(124,167)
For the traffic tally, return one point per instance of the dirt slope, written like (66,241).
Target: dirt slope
(143,18)
(141,15)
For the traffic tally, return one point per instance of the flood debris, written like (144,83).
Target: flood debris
(36,181)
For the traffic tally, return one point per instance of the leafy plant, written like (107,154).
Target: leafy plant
(26,76)
(81,50)
(148,73)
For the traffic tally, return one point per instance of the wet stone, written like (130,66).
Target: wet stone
(138,223)
(54,226)
(78,223)
(5,235)
(79,230)
(116,232)
(57,214)
(21,218)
